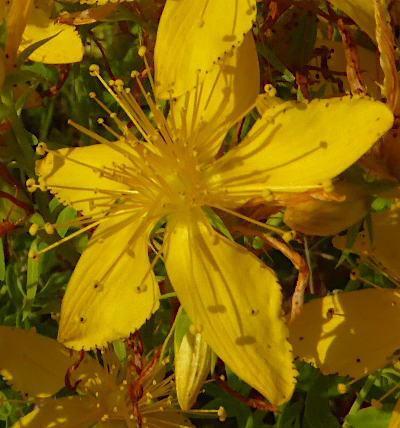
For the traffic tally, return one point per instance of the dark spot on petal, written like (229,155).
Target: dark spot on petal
(245,340)
(217,309)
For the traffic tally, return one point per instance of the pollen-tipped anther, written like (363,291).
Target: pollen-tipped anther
(33,229)
(41,149)
(31,185)
(49,228)
(94,70)
(222,414)
(142,51)
(289,236)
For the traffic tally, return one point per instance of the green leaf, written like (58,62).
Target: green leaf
(371,417)
(317,412)
(32,278)
(2,262)
(67,214)
(182,324)
(216,222)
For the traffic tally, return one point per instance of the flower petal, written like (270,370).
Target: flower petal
(67,412)
(297,146)
(65,47)
(193,36)
(350,333)
(234,300)
(16,21)
(223,97)
(383,246)
(112,290)
(33,364)
(324,218)
(73,181)
(361,11)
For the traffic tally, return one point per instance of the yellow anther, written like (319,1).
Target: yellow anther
(115,409)
(142,51)
(92,94)
(289,236)
(193,329)
(94,70)
(135,74)
(49,228)
(270,90)
(268,195)
(328,186)
(33,255)
(342,388)
(31,185)
(100,120)
(98,405)
(33,229)
(41,149)
(376,403)
(222,414)
(119,85)
(354,274)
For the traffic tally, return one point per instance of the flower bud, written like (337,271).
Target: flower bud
(192,366)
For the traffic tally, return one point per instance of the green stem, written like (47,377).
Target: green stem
(361,396)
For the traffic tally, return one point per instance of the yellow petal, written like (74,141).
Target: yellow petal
(235,302)
(105,298)
(324,218)
(336,60)
(192,36)
(351,334)
(72,179)
(361,12)
(67,412)
(223,97)
(383,249)
(16,21)
(296,146)
(64,48)
(32,363)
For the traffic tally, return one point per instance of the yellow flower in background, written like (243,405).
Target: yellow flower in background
(113,394)
(28,22)
(166,168)
(349,334)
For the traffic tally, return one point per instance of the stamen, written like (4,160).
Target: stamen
(250,220)
(35,255)
(355,275)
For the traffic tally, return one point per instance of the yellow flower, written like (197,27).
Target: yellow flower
(167,169)
(113,395)
(27,25)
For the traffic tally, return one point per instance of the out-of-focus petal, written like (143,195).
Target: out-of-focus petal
(16,21)
(324,218)
(67,412)
(193,36)
(65,47)
(32,363)
(361,12)
(350,334)
(235,302)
